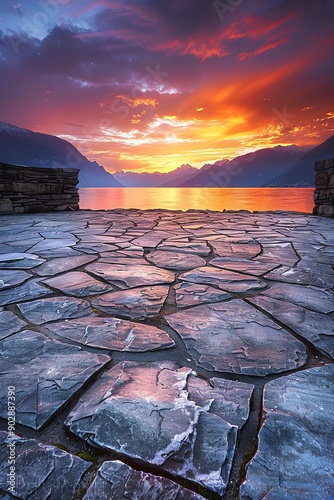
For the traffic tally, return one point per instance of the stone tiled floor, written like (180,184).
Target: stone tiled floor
(167,355)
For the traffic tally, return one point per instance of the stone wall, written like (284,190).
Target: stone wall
(30,189)
(324,188)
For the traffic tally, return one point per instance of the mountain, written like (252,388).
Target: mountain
(156,179)
(19,146)
(303,174)
(249,170)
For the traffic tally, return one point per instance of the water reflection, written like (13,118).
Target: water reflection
(296,199)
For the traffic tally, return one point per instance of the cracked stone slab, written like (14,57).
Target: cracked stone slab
(63,264)
(118,480)
(138,303)
(315,327)
(301,276)
(29,290)
(19,261)
(52,244)
(237,338)
(230,399)
(112,333)
(9,279)
(131,276)
(94,248)
(310,297)
(9,323)
(193,247)
(193,294)
(46,373)
(242,249)
(54,309)
(78,284)
(225,280)
(42,471)
(147,406)
(283,253)
(175,260)
(151,239)
(118,258)
(254,267)
(295,457)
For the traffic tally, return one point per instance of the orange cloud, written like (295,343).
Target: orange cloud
(261,50)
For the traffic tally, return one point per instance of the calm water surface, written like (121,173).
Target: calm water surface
(296,199)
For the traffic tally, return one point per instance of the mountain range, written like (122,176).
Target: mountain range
(280,166)
(21,146)
(156,179)
(302,174)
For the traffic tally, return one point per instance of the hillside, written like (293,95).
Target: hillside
(250,170)
(156,179)
(303,174)
(20,146)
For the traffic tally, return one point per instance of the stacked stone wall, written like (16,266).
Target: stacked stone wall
(30,189)
(324,188)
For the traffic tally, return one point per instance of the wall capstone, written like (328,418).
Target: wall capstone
(324,188)
(31,189)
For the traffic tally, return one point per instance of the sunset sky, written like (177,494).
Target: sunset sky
(151,84)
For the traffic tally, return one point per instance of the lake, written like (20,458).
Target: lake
(295,199)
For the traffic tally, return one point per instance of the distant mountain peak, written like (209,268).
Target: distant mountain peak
(19,146)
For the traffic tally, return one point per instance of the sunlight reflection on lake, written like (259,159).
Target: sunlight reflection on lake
(295,199)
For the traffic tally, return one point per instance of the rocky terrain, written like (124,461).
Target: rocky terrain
(167,355)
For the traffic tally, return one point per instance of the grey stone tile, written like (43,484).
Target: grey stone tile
(138,303)
(151,239)
(19,261)
(235,337)
(193,247)
(45,373)
(230,399)
(52,244)
(302,276)
(175,260)
(41,471)
(153,419)
(117,480)
(131,276)
(295,454)
(193,294)
(9,279)
(310,297)
(63,264)
(28,291)
(224,279)
(54,309)
(78,284)
(315,327)
(242,249)
(254,267)
(112,333)
(9,323)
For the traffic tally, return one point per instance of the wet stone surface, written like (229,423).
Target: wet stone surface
(41,471)
(299,427)
(190,354)
(235,337)
(53,309)
(112,333)
(46,374)
(139,303)
(153,419)
(117,480)
(229,281)
(78,284)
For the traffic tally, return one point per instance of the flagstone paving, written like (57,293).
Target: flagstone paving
(180,355)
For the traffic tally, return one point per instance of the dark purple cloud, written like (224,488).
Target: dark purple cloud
(144,75)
